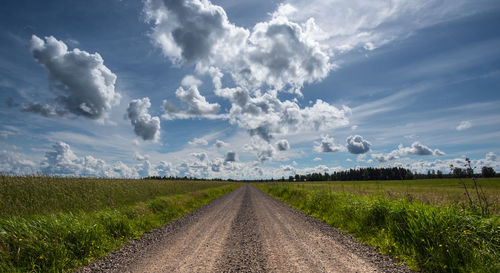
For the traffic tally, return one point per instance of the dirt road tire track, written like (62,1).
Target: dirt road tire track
(245,231)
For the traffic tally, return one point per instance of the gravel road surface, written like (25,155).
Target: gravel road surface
(245,231)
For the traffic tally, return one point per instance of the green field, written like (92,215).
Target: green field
(58,224)
(428,224)
(431,191)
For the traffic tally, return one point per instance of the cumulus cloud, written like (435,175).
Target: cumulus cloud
(230,157)
(192,30)
(415,149)
(282,54)
(422,166)
(139,157)
(357,145)
(166,169)
(418,149)
(282,145)
(266,115)
(63,161)
(385,157)
(86,86)
(198,142)
(145,126)
(197,104)
(220,144)
(327,145)
(288,168)
(200,156)
(265,152)
(14,163)
(491,156)
(277,53)
(317,159)
(216,165)
(464,125)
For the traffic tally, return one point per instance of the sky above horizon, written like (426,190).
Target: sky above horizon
(247,89)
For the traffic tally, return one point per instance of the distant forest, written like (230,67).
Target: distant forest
(364,174)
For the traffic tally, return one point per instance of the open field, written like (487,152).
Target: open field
(56,224)
(430,191)
(402,219)
(28,195)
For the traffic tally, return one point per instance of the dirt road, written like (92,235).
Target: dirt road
(245,231)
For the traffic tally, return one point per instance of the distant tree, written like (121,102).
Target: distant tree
(487,172)
(459,172)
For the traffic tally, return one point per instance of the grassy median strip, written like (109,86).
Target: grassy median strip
(61,241)
(428,237)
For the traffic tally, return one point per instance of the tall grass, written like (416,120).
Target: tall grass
(30,195)
(427,237)
(431,191)
(60,239)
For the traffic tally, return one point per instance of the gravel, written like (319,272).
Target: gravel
(246,231)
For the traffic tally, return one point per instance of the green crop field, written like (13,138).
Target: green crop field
(431,191)
(429,224)
(58,224)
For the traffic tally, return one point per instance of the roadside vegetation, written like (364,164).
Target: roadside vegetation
(431,225)
(59,224)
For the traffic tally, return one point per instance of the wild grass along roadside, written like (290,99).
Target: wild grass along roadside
(59,242)
(427,237)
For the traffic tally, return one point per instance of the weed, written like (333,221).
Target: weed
(427,237)
(67,237)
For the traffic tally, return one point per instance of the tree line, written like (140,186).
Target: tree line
(395,173)
(362,174)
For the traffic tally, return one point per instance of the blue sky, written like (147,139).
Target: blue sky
(247,89)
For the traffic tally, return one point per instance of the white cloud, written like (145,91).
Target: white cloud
(200,156)
(278,53)
(491,156)
(265,152)
(317,159)
(266,115)
(444,165)
(282,145)
(166,169)
(464,125)
(145,126)
(14,163)
(192,31)
(198,142)
(86,86)
(385,157)
(327,145)
(62,161)
(197,104)
(361,158)
(139,157)
(220,144)
(415,149)
(190,80)
(357,145)
(288,168)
